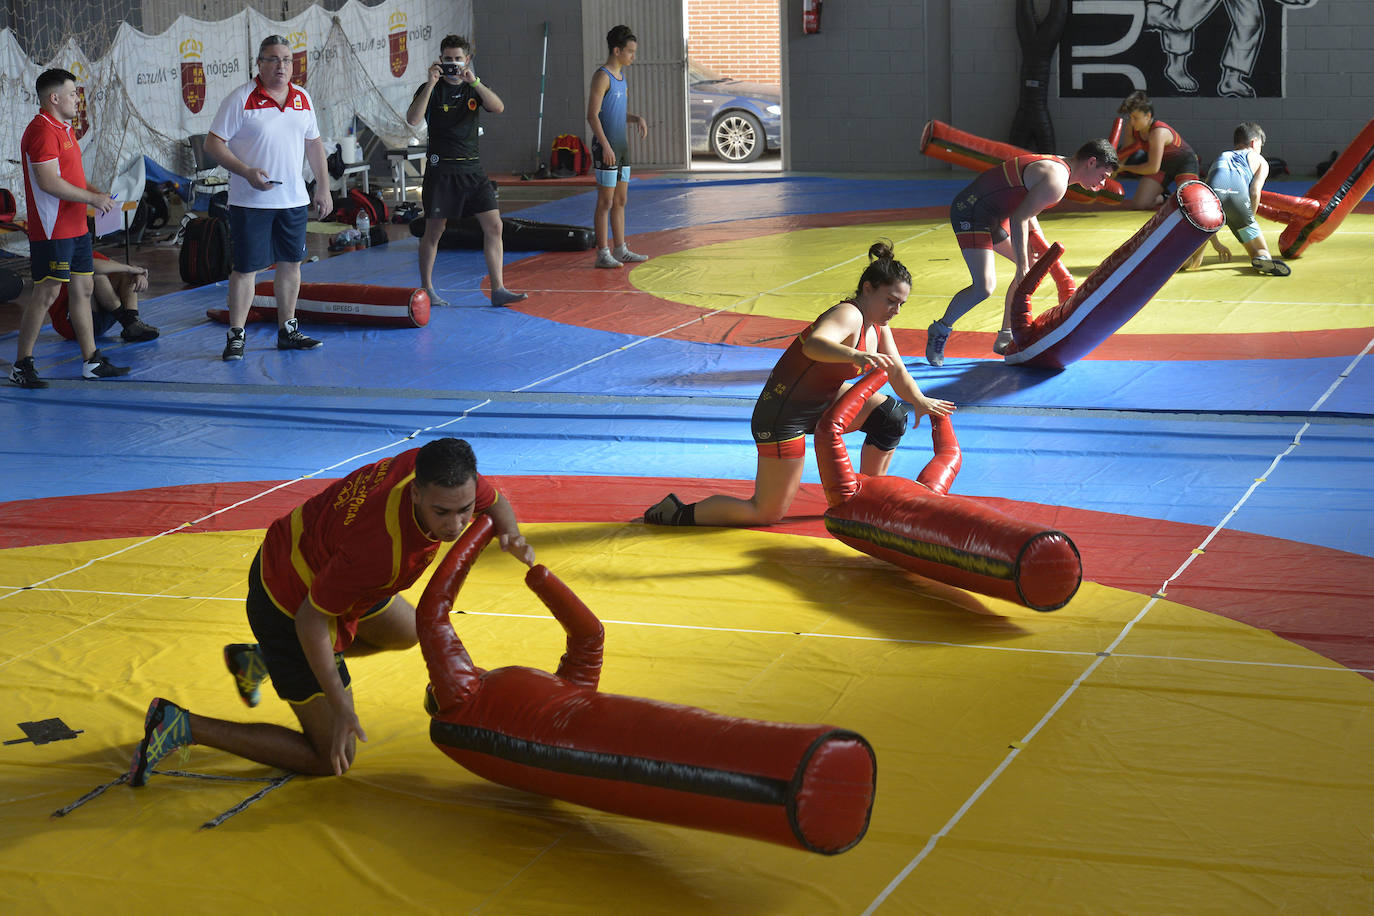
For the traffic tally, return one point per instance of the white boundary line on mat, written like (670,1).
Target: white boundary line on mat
(1058,704)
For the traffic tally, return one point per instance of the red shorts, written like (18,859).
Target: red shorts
(787,448)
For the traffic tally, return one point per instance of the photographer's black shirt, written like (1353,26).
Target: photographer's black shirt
(452,118)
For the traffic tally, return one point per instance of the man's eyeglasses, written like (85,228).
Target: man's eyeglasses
(284,61)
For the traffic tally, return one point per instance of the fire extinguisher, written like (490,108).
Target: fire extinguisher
(811,16)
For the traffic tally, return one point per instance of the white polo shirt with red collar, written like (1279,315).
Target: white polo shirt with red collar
(270,137)
(45,139)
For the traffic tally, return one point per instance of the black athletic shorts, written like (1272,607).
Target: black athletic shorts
(452,194)
(290,670)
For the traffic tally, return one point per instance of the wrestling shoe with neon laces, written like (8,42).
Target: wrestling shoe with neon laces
(166,728)
(246,664)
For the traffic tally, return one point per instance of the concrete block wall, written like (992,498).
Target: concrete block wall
(959,61)
(855,94)
(736,38)
(1328,96)
(508,39)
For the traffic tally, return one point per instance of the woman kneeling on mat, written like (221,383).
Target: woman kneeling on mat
(846,340)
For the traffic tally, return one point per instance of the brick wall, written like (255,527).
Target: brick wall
(738,38)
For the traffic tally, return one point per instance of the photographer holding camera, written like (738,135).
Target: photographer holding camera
(455,183)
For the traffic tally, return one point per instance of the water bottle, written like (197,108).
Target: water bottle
(364,226)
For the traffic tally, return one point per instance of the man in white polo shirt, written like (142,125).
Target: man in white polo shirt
(260,134)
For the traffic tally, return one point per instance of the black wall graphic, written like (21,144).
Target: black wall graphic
(1172,48)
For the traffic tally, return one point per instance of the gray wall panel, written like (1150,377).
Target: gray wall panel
(657,78)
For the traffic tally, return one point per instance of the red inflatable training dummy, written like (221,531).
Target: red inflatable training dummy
(343,303)
(1316,215)
(806,786)
(950,144)
(916,525)
(1117,289)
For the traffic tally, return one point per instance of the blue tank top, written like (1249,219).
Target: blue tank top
(613,109)
(1236,162)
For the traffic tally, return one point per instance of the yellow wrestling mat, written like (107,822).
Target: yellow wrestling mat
(1329,287)
(1201,760)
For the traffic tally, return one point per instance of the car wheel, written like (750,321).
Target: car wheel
(737,136)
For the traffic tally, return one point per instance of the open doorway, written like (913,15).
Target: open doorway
(734,76)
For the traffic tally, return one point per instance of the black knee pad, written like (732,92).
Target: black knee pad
(886,424)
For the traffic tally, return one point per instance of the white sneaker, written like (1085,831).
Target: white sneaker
(626,256)
(604,259)
(1003,342)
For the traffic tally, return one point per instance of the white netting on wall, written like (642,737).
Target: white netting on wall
(346,88)
(146,94)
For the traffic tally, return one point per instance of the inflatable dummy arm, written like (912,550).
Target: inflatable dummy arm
(957,147)
(1316,215)
(916,525)
(806,786)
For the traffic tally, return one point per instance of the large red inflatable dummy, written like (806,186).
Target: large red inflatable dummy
(1119,287)
(806,786)
(1316,215)
(916,525)
(950,144)
(342,303)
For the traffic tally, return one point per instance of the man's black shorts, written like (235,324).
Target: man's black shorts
(452,194)
(281,647)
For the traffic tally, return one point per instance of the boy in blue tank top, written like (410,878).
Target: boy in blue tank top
(1238,176)
(609,117)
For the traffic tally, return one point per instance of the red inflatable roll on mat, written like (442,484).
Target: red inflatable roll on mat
(1336,193)
(343,303)
(917,526)
(950,144)
(1118,288)
(806,786)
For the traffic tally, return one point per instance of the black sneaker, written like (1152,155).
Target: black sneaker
(289,337)
(233,346)
(137,331)
(99,367)
(25,375)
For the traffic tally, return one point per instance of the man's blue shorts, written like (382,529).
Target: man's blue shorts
(59,259)
(261,238)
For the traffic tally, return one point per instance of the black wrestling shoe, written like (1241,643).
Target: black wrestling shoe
(137,331)
(670,511)
(25,375)
(289,337)
(233,345)
(98,367)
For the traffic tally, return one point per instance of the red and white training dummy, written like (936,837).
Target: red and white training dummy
(342,303)
(1119,287)
(917,525)
(806,786)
